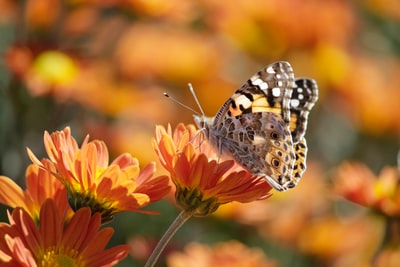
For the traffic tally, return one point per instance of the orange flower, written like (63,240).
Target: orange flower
(230,253)
(358,183)
(389,257)
(80,243)
(202,182)
(333,241)
(40,185)
(91,181)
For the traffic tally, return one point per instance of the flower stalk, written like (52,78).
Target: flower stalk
(176,224)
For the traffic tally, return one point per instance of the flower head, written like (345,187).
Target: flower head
(40,185)
(80,243)
(359,184)
(203,182)
(91,181)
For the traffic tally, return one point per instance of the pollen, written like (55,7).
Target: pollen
(62,257)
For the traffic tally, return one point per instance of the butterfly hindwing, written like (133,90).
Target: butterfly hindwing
(261,142)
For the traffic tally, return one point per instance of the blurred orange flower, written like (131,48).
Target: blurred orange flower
(80,243)
(202,182)
(388,258)
(37,13)
(230,253)
(341,242)
(40,185)
(91,181)
(262,28)
(368,102)
(357,183)
(186,55)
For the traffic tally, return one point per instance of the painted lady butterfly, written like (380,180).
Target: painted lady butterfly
(262,125)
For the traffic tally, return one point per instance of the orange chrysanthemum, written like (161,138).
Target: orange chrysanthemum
(359,184)
(91,181)
(40,185)
(202,182)
(80,243)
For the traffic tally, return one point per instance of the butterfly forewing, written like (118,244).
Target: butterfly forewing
(269,90)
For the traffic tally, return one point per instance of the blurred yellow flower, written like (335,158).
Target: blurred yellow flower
(55,68)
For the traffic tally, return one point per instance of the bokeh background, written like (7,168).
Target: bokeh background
(101,67)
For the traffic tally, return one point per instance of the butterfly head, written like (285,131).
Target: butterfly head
(203,122)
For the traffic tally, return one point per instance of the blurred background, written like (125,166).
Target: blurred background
(101,67)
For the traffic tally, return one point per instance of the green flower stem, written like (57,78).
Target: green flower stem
(178,222)
(392,233)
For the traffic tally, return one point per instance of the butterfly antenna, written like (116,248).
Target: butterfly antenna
(180,103)
(195,98)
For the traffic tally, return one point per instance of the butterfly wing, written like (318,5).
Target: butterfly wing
(262,125)
(304,97)
(252,125)
(261,142)
(269,90)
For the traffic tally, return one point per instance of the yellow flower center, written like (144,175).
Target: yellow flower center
(61,257)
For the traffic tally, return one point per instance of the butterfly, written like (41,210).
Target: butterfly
(262,125)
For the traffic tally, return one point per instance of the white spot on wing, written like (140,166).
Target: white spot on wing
(276,92)
(255,80)
(295,103)
(263,86)
(270,70)
(243,100)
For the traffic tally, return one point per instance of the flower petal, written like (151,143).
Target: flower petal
(11,194)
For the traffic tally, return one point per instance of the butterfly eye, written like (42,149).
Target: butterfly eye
(275,135)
